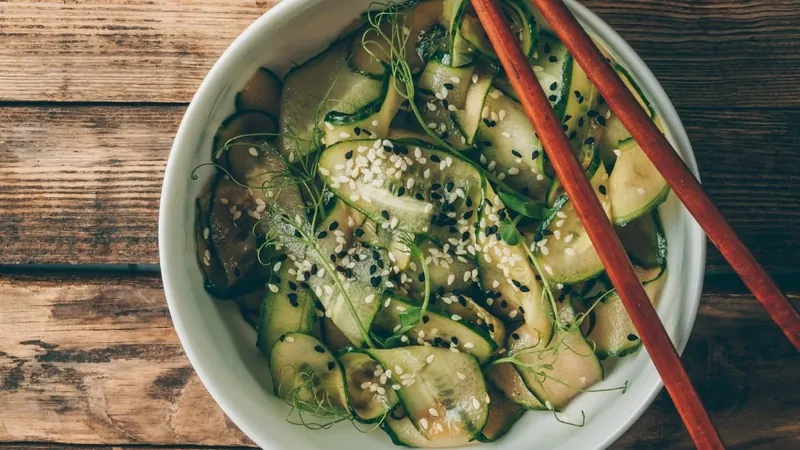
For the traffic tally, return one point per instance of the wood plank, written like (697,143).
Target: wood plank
(81,184)
(97,362)
(94,360)
(715,52)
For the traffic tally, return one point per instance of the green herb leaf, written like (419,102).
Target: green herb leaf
(522,205)
(509,233)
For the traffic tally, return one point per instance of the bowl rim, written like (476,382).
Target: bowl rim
(198,110)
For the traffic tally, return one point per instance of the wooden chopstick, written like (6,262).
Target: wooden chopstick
(598,227)
(672,168)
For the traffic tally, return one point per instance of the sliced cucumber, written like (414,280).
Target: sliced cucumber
(635,89)
(461,51)
(307,376)
(443,392)
(588,159)
(212,269)
(506,379)
(441,121)
(369,390)
(520,19)
(332,336)
(503,414)
(261,93)
(510,283)
(636,186)
(559,371)
(414,189)
(371,121)
(449,331)
(469,310)
(447,272)
(402,432)
(470,116)
(231,238)
(287,308)
(645,241)
(339,265)
(414,20)
(553,70)
(312,90)
(510,148)
(613,332)
(564,250)
(451,83)
(244,128)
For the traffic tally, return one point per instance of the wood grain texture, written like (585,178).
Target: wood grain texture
(97,362)
(94,360)
(81,184)
(705,53)
(121,50)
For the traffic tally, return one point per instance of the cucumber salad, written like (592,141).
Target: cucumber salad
(386,218)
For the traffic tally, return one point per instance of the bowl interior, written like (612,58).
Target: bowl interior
(221,346)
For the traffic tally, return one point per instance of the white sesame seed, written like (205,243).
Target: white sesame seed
(618,152)
(252,151)
(433,412)
(475,403)
(455,317)
(423,423)
(289,339)
(641,191)
(430,358)
(461,376)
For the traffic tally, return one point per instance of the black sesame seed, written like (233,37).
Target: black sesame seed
(421,278)
(376,254)
(449,86)
(293,285)
(468,202)
(577,94)
(592,113)
(293,300)
(359,232)
(425,319)
(503,304)
(589,141)
(490,327)
(454,340)
(580,122)
(322,234)
(449,186)
(552,98)
(524,288)
(521,310)
(465,236)
(357,131)
(332,257)
(348,155)
(435,158)
(601,120)
(487,143)
(554,86)
(282,338)
(372,269)
(436,186)
(333,226)
(535,154)
(462,301)
(331,365)
(298,234)
(467,215)
(633,337)
(340,269)
(515,336)
(567,118)
(319,349)
(380,264)
(437,341)
(419,196)
(573,135)
(602,189)
(553,59)
(516,283)
(385,214)
(546,48)
(516,153)
(436,196)
(375,281)
(581,99)
(401,191)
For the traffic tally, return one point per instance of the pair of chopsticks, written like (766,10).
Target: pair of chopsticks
(600,231)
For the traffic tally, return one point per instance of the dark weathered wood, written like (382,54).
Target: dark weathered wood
(94,360)
(81,184)
(705,53)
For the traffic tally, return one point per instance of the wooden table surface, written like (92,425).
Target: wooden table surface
(91,94)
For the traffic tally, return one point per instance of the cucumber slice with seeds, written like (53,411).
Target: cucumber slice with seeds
(444,330)
(613,332)
(371,121)
(509,280)
(645,241)
(636,186)
(469,310)
(558,371)
(369,391)
(509,146)
(312,90)
(307,376)
(240,124)
(287,307)
(442,391)
(507,380)
(564,250)
(261,93)
(433,193)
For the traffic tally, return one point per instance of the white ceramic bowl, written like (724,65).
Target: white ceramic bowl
(221,347)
